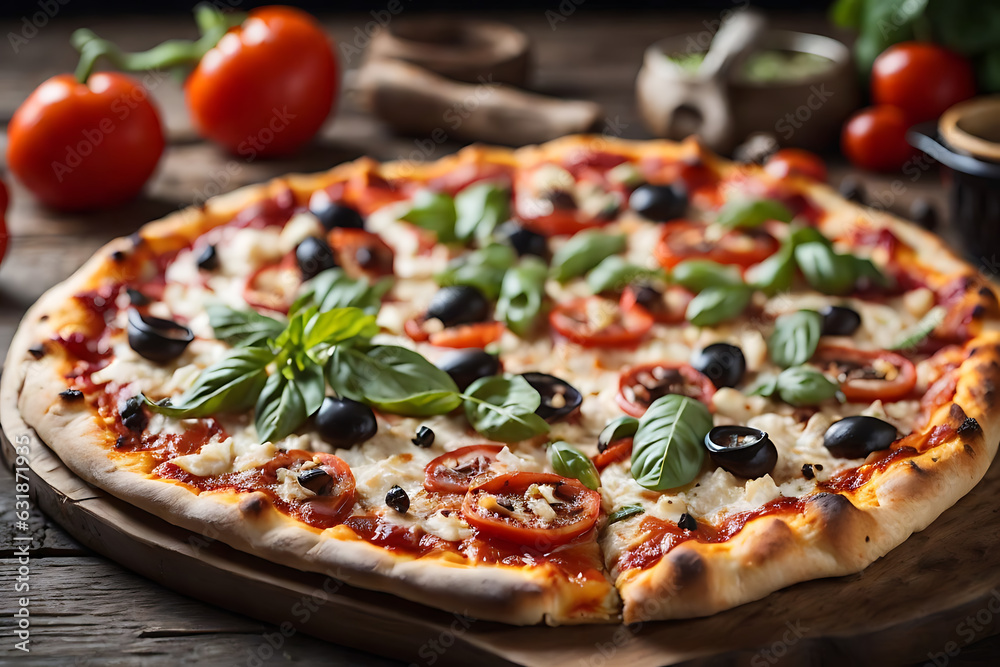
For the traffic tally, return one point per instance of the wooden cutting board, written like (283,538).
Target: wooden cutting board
(935,594)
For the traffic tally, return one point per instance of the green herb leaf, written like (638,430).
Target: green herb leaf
(668,449)
(774,274)
(232,384)
(281,408)
(337,325)
(802,235)
(914,335)
(624,512)
(522,295)
(335,289)
(805,385)
(569,461)
(717,304)
(619,427)
(434,211)
(243,328)
(766,386)
(483,269)
(795,338)
(503,408)
(826,270)
(583,252)
(752,213)
(393,379)
(700,274)
(480,208)
(615,273)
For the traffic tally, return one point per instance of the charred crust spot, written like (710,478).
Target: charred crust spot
(832,507)
(970,428)
(956,414)
(688,568)
(868,538)
(43,318)
(118,256)
(915,467)
(807,471)
(986,292)
(969,450)
(37,350)
(253,504)
(978,311)
(71,395)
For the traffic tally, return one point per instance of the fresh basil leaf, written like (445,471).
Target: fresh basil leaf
(619,427)
(700,274)
(583,252)
(232,384)
(805,385)
(914,335)
(503,408)
(717,304)
(865,269)
(668,449)
(434,211)
(310,380)
(569,461)
(291,338)
(615,273)
(337,325)
(333,288)
(624,512)
(766,386)
(483,269)
(795,338)
(242,328)
(281,408)
(802,235)
(393,379)
(522,295)
(752,213)
(826,270)
(480,208)
(774,274)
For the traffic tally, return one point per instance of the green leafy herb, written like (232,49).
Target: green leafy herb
(434,211)
(700,274)
(503,408)
(479,209)
(914,335)
(569,461)
(774,274)
(483,269)
(717,304)
(243,328)
(232,384)
(624,512)
(805,385)
(667,449)
(766,386)
(824,269)
(522,295)
(752,213)
(335,289)
(338,325)
(619,427)
(583,252)
(615,273)
(795,338)
(288,398)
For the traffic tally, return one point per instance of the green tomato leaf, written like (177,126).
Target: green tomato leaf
(522,295)
(335,289)
(717,304)
(700,274)
(569,461)
(281,408)
(624,512)
(434,211)
(480,208)
(615,273)
(619,427)
(232,384)
(805,385)
(243,328)
(914,335)
(583,252)
(668,449)
(503,408)
(483,269)
(752,213)
(393,379)
(795,338)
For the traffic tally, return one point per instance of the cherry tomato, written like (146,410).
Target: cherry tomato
(3,219)
(267,86)
(875,139)
(619,450)
(478,335)
(638,387)
(667,307)
(499,508)
(334,498)
(596,322)
(922,79)
(686,240)
(274,286)
(550,212)
(868,375)
(797,162)
(453,472)
(361,253)
(85,146)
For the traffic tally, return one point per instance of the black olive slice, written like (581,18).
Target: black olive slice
(857,437)
(71,395)
(157,339)
(316,480)
(209,259)
(345,423)
(334,214)
(687,522)
(839,320)
(397,499)
(742,450)
(133,415)
(467,366)
(424,437)
(659,202)
(137,298)
(722,363)
(458,304)
(314,256)
(524,241)
(559,398)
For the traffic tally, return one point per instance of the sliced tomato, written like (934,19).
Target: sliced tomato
(453,472)
(273,287)
(666,307)
(619,450)
(368,191)
(478,335)
(687,240)
(334,501)
(596,322)
(638,387)
(868,375)
(549,213)
(499,507)
(361,253)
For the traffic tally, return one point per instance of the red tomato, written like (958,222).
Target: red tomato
(267,86)
(453,472)
(686,240)
(596,322)
(3,220)
(334,501)
(619,450)
(498,508)
(478,335)
(922,79)
(796,162)
(875,139)
(85,146)
(667,307)
(638,387)
(274,286)
(360,252)
(868,375)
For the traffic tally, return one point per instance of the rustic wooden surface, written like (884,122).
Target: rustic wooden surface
(88,610)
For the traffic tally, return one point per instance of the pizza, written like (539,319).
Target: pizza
(588,381)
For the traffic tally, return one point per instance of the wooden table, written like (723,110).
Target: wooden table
(88,609)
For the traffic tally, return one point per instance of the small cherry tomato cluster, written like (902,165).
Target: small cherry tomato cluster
(261,86)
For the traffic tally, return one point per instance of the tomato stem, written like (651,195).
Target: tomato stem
(212,24)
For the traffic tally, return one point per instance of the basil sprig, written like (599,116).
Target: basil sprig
(668,449)
(619,427)
(232,384)
(624,512)
(583,252)
(615,273)
(752,212)
(335,289)
(798,386)
(503,408)
(717,304)
(435,212)
(243,328)
(290,395)
(522,295)
(700,274)
(471,214)
(569,461)
(795,338)
(483,269)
